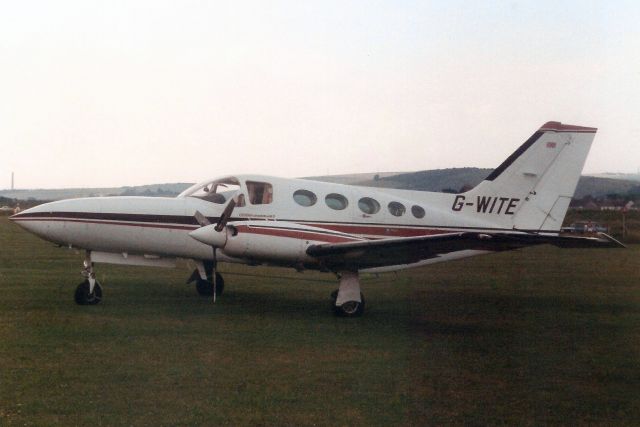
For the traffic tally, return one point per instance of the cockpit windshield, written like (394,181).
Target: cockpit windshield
(216,191)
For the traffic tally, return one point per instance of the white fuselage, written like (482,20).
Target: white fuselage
(276,232)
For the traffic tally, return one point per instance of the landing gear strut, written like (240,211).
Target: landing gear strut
(89,292)
(348,301)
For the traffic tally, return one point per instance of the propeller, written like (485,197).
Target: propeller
(215,235)
(226,213)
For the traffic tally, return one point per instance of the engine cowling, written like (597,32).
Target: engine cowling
(268,240)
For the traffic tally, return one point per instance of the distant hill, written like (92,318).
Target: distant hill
(353,178)
(158,190)
(460,179)
(602,187)
(613,175)
(439,180)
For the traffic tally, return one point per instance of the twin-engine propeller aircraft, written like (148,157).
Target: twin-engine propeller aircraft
(303,224)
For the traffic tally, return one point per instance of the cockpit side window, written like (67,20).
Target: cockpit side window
(260,193)
(214,197)
(219,191)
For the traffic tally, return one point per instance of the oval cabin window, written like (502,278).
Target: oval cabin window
(336,201)
(368,205)
(305,198)
(397,209)
(417,211)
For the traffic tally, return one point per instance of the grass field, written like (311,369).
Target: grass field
(537,336)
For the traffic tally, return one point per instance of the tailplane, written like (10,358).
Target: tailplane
(532,188)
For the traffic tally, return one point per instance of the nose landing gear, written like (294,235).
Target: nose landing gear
(84,296)
(203,276)
(89,292)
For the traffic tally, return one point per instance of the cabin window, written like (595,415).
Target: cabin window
(397,209)
(260,193)
(336,201)
(368,205)
(417,211)
(305,198)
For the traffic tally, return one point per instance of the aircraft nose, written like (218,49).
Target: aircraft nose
(32,219)
(43,207)
(47,220)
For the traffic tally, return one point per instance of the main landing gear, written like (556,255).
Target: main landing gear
(347,300)
(203,276)
(205,286)
(89,292)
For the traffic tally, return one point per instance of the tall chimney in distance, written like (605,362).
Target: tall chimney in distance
(12,181)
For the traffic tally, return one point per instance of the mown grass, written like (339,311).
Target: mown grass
(537,336)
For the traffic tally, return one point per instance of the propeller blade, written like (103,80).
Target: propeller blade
(226,214)
(201,219)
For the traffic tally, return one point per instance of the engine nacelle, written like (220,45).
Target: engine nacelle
(264,240)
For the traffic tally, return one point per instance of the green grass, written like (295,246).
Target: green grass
(530,337)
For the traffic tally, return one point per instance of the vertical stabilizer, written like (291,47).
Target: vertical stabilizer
(535,184)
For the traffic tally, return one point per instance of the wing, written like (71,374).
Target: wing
(409,250)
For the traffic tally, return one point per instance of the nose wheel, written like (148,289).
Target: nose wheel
(203,276)
(89,292)
(84,296)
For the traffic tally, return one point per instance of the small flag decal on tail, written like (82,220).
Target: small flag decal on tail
(551,145)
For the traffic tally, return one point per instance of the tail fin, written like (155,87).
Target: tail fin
(534,186)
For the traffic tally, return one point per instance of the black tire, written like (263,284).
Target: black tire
(349,308)
(205,287)
(83,297)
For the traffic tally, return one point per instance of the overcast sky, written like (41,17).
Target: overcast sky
(110,93)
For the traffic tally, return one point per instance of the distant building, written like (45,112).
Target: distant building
(586,227)
(591,205)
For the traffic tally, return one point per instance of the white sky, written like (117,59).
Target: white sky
(97,93)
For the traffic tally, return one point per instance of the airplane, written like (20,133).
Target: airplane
(311,225)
